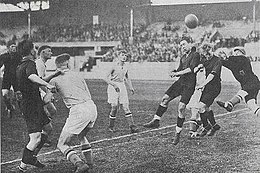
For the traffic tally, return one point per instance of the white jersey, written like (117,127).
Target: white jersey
(41,70)
(41,67)
(72,88)
(119,73)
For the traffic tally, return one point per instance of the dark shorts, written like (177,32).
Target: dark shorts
(177,89)
(34,114)
(252,94)
(210,92)
(8,82)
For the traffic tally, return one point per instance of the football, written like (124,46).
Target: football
(191,21)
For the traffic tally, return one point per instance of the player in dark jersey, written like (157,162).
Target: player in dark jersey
(241,68)
(183,87)
(32,104)
(10,60)
(211,88)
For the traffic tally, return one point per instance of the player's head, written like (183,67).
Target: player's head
(238,51)
(26,48)
(45,52)
(185,45)
(122,56)
(62,61)
(206,49)
(11,46)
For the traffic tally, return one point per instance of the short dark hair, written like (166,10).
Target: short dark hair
(42,48)
(25,47)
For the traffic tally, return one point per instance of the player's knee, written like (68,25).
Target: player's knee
(5,92)
(35,138)
(181,107)
(126,108)
(202,107)
(165,100)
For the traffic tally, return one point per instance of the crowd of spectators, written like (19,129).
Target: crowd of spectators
(84,33)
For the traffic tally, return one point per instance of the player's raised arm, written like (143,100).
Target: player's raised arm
(36,79)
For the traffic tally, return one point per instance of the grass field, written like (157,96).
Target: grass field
(235,148)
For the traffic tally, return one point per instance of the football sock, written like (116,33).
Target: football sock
(160,110)
(204,119)
(156,117)
(42,142)
(211,118)
(193,125)
(129,118)
(87,152)
(27,155)
(180,122)
(112,120)
(235,100)
(72,156)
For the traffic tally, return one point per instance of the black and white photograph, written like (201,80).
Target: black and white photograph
(130,86)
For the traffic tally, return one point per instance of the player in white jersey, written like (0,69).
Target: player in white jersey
(82,115)
(44,53)
(117,92)
(193,104)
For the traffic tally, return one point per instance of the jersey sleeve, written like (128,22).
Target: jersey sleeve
(40,69)
(31,69)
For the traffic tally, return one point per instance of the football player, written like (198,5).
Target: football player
(184,87)
(211,88)
(117,92)
(82,115)
(241,68)
(10,60)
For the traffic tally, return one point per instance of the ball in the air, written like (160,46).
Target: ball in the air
(191,21)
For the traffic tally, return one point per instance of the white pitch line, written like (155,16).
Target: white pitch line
(123,136)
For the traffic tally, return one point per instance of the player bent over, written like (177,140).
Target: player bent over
(241,68)
(117,92)
(193,105)
(211,88)
(44,53)
(32,104)
(183,87)
(82,115)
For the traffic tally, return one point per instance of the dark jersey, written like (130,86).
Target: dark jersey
(213,66)
(26,86)
(10,61)
(241,68)
(189,61)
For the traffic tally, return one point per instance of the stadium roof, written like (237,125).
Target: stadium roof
(181,2)
(21,5)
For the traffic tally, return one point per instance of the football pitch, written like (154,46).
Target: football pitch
(235,148)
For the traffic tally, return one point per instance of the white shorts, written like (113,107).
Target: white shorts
(81,116)
(115,97)
(194,100)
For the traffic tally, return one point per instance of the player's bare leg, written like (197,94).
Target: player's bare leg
(112,117)
(129,118)
(229,105)
(194,124)
(155,122)
(70,153)
(180,121)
